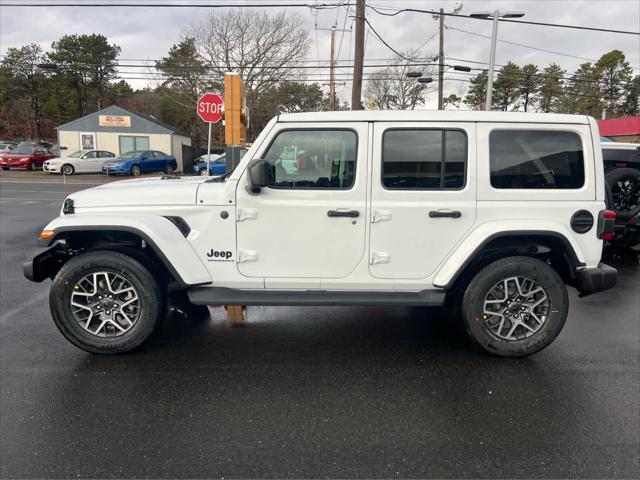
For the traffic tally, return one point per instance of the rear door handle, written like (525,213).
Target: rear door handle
(445,214)
(343,213)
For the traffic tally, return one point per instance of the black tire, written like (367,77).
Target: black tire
(624,178)
(473,319)
(168,169)
(33,166)
(5,168)
(202,172)
(152,309)
(67,169)
(135,171)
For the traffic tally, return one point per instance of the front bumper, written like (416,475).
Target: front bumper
(45,263)
(52,168)
(592,280)
(113,170)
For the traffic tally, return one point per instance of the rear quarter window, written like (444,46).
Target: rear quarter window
(536,159)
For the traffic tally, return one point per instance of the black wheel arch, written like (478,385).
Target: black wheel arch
(552,247)
(74,240)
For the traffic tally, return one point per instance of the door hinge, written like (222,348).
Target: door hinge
(380,216)
(246,214)
(247,256)
(379,257)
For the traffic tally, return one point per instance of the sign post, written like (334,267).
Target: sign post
(209,108)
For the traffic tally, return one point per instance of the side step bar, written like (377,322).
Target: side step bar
(230,296)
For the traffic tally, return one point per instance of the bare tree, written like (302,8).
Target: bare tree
(392,89)
(263,48)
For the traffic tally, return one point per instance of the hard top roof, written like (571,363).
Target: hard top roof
(432,116)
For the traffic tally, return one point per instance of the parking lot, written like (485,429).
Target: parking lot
(309,392)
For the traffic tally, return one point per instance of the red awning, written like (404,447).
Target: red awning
(619,126)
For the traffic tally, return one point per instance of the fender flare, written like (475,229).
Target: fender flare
(455,265)
(160,234)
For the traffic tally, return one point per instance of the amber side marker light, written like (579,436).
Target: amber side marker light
(46,234)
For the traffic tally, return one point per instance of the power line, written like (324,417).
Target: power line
(522,45)
(526,22)
(320,6)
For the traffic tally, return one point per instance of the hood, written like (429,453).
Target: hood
(140,192)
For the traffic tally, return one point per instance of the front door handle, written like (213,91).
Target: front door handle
(343,213)
(445,214)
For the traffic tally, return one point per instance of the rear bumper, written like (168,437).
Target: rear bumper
(592,280)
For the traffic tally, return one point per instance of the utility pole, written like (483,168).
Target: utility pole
(356,89)
(441,62)
(332,81)
(495,16)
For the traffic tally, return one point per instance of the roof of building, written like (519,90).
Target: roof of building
(432,116)
(614,127)
(140,123)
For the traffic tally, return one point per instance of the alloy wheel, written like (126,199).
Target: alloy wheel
(626,194)
(515,308)
(105,304)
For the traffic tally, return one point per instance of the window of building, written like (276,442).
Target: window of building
(131,143)
(423,159)
(536,159)
(308,159)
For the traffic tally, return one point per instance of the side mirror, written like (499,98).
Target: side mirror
(259,172)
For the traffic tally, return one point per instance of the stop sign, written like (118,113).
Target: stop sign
(209,107)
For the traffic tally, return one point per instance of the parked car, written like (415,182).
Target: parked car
(141,161)
(32,143)
(25,158)
(491,213)
(217,165)
(622,176)
(6,147)
(82,161)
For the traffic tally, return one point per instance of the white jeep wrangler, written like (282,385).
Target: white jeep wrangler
(493,213)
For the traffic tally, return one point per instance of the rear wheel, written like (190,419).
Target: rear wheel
(68,169)
(135,170)
(515,306)
(624,185)
(168,169)
(105,302)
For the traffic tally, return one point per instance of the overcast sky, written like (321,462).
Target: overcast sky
(148,33)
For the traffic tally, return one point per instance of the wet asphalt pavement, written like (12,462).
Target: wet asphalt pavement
(309,392)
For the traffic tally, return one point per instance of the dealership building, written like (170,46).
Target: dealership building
(119,131)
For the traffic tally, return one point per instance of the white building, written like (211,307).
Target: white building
(119,131)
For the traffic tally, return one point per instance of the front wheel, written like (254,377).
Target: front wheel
(135,170)
(515,306)
(68,169)
(33,166)
(5,168)
(203,172)
(105,302)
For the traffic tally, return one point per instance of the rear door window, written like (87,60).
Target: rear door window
(536,159)
(423,159)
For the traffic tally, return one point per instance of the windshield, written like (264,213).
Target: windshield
(22,151)
(77,154)
(128,155)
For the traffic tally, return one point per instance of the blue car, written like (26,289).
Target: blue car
(140,161)
(217,165)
